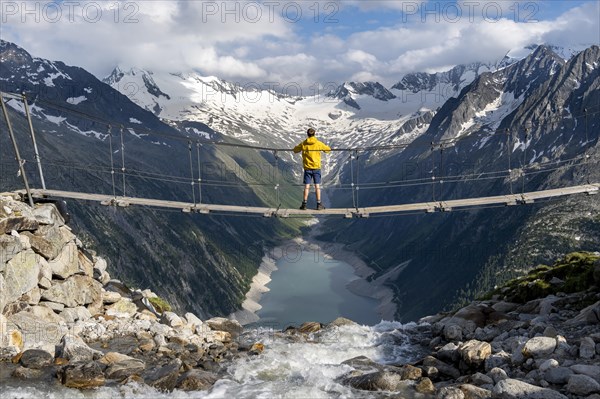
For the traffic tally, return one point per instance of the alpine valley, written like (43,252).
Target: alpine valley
(529,121)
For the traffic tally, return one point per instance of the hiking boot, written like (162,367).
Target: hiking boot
(303,206)
(320,207)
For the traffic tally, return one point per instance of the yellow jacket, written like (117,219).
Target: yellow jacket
(311,152)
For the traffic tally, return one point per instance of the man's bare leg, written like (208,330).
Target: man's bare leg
(306,191)
(318,192)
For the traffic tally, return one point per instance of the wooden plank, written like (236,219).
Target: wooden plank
(344,212)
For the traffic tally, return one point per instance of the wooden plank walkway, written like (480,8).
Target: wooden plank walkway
(443,206)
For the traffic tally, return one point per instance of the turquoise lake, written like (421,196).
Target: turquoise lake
(309,287)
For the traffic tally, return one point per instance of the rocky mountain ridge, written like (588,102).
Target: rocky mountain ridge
(495,140)
(79,122)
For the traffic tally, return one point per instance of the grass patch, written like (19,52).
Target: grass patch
(160,304)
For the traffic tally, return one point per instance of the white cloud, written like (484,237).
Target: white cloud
(237,45)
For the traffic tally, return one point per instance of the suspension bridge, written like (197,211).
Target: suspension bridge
(197,206)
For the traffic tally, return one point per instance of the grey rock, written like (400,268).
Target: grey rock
(17,223)
(449,353)
(54,306)
(558,375)
(364,364)
(196,380)
(76,350)
(21,275)
(453,332)
(539,347)
(124,308)
(110,297)
(480,379)
(66,263)
(377,381)
(442,367)
(497,374)
(587,369)
(475,392)
(582,385)
(222,324)
(82,376)
(49,241)
(341,321)
(48,214)
(9,247)
(80,313)
(450,393)
(75,291)
(547,304)
(104,278)
(504,306)
(40,327)
(475,352)
(515,389)
(550,332)
(517,356)
(589,315)
(587,348)
(125,368)
(36,359)
(164,378)
(2,293)
(171,319)
(193,321)
(32,297)
(85,264)
(100,264)
(548,364)
(24,373)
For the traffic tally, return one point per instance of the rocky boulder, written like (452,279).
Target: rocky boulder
(75,291)
(515,389)
(222,324)
(36,359)
(123,308)
(10,245)
(474,352)
(49,241)
(121,366)
(82,376)
(172,320)
(378,381)
(47,214)
(21,275)
(582,385)
(539,347)
(75,350)
(66,263)
(16,216)
(196,380)
(164,378)
(40,328)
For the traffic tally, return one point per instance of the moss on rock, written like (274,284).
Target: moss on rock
(160,304)
(573,273)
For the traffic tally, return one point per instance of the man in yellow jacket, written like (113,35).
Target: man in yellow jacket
(311,158)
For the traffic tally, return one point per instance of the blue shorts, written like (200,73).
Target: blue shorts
(312,175)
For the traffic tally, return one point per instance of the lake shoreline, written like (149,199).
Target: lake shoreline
(375,289)
(360,286)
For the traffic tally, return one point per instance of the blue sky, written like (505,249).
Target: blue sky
(346,18)
(268,41)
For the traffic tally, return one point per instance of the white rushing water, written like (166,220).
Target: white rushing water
(286,369)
